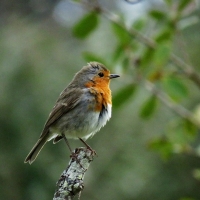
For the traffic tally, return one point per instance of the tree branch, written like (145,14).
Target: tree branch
(187,69)
(71,180)
(178,109)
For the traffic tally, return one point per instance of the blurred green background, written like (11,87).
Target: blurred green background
(39,55)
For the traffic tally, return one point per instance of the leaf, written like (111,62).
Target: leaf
(157,14)
(183,4)
(164,35)
(181,132)
(148,107)
(175,88)
(147,57)
(93,57)
(121,33)
(125,63)
(162,146)
(119,51)
(86,25)
(169,2)
(139,24)
(162,54)
(190,128)
(123,95)
(155,76)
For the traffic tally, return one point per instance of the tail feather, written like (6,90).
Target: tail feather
(36,150)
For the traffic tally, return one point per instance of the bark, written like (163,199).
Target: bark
(70,183)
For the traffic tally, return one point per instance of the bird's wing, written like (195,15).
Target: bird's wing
(66,102)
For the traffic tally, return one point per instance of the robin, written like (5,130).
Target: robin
(81,109)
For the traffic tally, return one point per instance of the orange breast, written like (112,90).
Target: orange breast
(101,90)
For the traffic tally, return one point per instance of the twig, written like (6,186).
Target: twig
(177,108)
(187,69)
(71,180)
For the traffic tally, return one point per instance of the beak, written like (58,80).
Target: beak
(113,76)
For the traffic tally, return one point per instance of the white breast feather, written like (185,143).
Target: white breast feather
(101,121)
(96,122)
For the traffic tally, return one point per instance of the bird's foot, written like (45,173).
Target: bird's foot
(88,147)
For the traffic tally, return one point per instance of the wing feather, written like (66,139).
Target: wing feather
(66,102)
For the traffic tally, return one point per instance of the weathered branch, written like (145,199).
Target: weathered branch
(71,180)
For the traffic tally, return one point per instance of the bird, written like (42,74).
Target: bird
(82,108)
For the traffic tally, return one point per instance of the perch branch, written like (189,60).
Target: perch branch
(71,180)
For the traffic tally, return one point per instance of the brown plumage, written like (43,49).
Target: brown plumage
(81,109)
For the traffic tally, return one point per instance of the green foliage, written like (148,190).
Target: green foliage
(86,25)
(164,35)
(181,132)
(162,146)
(190,128)
(139,24)
(125,63)
(148,107)
(123,95)
(157,14)
(169,2)
(121,33)
(118,52)
(183,4)
(175,88)
(146,57)
(162,54)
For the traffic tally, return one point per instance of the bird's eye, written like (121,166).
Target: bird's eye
(101,74)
